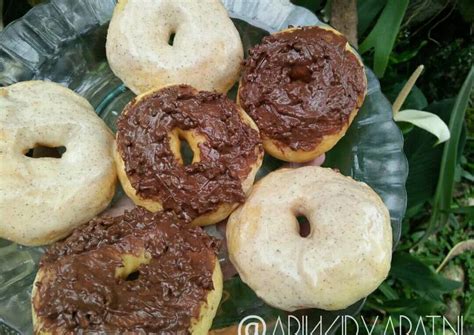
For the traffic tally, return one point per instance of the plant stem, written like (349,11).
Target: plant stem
(397,104)
(344,18)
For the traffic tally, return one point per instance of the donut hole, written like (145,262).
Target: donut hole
(133,276)
(171,38)
(304,227)
(44,151)
(187,153)
(185,146)
(129,270)
(301,72)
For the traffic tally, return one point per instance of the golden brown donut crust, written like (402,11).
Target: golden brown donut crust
(138,272)
(225,142)
(306,93)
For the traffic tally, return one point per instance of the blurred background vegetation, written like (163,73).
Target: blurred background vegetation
(394,38)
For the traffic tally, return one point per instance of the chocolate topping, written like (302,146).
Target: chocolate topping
(230,149)
(80,291)
(301,85)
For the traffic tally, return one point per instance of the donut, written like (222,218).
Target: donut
(153,43)
(42,199)
(139,273)
(302,87)
(343,255)
(226,145)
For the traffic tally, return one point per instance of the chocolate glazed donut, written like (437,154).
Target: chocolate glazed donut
(226,145)
(137,273)
(302,87)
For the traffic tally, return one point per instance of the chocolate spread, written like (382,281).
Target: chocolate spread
(80,292)
(301,85)
(231,147)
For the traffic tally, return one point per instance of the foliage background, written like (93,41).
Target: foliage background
(395,37)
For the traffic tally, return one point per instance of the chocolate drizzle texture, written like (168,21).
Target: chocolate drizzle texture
(80,292)
(230,148)
(301,85)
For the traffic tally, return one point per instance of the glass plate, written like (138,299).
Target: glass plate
(64,41)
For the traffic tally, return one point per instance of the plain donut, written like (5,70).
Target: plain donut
(44,199)
(344,258)
(206,52)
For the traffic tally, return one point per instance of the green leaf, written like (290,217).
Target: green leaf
(383,35)
(425,120)
(387,291)
(450,158)
(367,11)
(469,310)
(418,276)
(469,210)
(419,306)
(405,56)
(424,159)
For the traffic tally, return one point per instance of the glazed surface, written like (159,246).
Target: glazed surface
(42,199)
(301,85)
(345,256)
(174,42)
(79,289)
(228,148)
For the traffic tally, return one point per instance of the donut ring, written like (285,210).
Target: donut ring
(306,92)
(44,199)
(225,142)
(206,51)
(345,257)
(136,273)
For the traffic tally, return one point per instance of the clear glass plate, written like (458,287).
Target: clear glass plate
(64,41)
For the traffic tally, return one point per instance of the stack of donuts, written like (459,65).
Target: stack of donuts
(152,268)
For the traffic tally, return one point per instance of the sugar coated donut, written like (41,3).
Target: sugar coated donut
(43,199)
(224,140)
(139,273)
(345,256)
(302,87)
(152,43)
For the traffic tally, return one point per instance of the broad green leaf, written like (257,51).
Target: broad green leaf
(455,251)
(367,11)
(451,154)
(425,120)
(405,56)
(424,159)
(418,276)
(383,35)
